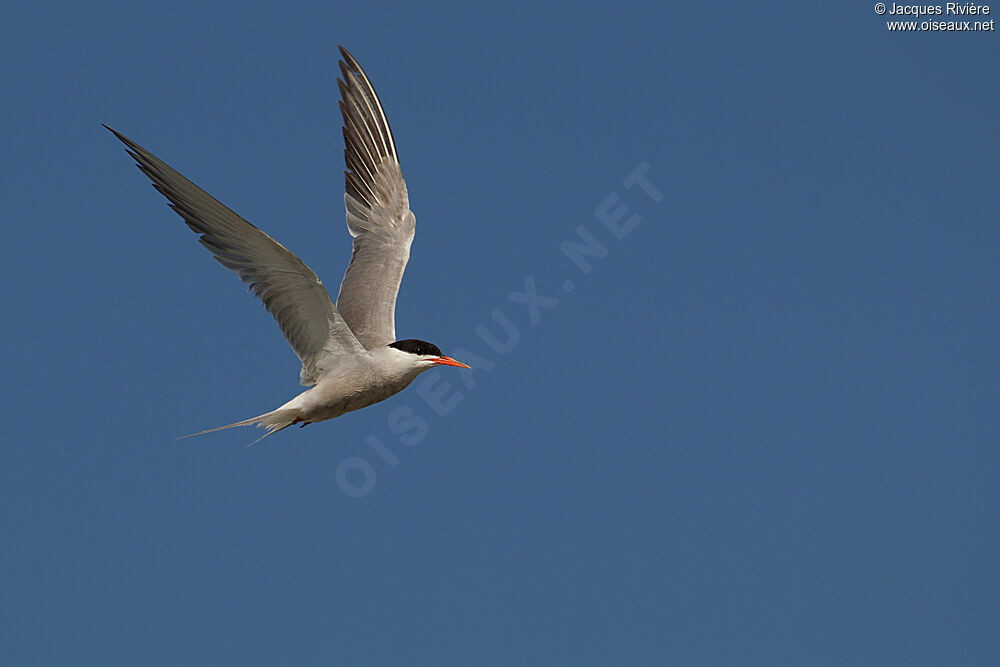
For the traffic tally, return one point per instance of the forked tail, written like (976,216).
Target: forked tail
(273,421)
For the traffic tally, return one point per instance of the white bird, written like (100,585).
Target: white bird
(349,352)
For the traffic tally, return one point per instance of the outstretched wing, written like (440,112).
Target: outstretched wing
(378,212)
(289,289)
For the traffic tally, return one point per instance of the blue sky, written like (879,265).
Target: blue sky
(759,429)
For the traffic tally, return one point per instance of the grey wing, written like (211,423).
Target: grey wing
(378,212)
(291,292)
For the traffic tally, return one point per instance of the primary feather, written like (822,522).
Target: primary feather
(378,211)
(290,290)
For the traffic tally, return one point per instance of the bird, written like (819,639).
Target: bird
(349,352)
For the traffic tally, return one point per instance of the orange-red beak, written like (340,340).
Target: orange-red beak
(448,361)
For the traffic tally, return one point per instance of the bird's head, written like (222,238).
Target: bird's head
(423,354)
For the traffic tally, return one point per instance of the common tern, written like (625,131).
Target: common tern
(349,352)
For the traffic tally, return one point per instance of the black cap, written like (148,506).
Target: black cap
(414,346)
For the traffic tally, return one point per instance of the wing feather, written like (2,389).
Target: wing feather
(378,211)
(289,289)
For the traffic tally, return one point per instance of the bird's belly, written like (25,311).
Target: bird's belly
(328,405)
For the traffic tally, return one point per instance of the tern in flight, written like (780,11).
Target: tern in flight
(349,352)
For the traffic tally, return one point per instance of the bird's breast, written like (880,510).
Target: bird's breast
(334,396)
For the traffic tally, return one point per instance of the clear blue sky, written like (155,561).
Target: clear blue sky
(761,429)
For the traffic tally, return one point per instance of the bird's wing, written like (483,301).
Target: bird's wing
(289,289)
(378,212)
